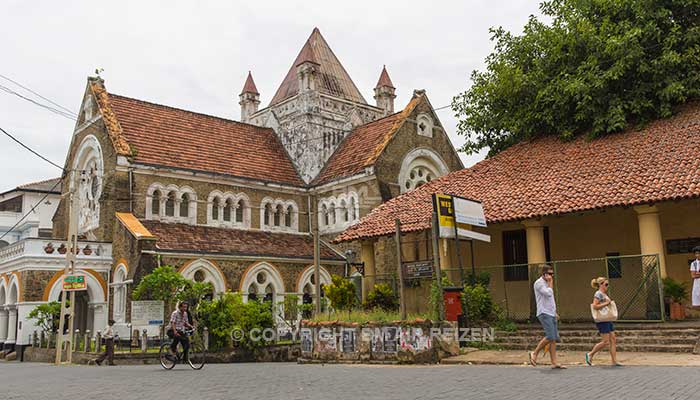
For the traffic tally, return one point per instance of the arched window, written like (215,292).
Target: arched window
(279,210)
(227,210)
(419,167)
(239,211)
(324,215)
(215,208)
(185,205)
(170,205)
(288,216)
(344,211)
(120,294)
(331,213)
(353,214)
(267,214)
(155,203)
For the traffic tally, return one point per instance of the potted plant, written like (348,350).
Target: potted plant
(675,293)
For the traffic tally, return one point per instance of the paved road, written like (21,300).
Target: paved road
(339,382)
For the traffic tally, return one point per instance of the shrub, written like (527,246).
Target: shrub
(341,293)
(381,297)
(482,278)
(436,297)
(478,304)
(674,290)
(254,316)
(220,316)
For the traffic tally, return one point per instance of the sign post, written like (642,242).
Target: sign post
(402,298)
(147,312)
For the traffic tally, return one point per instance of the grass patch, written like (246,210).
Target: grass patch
(362,316)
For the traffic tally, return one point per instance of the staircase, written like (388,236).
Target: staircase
(630,337)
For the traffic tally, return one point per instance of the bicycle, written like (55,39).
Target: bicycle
(196,356)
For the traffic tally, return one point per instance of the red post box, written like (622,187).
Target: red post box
(453,302)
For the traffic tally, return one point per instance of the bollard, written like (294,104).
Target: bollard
(98,342)
(41,339)
(205,338)
(35,339)
(76,340)
(86,342)
(144,341)
(48,340)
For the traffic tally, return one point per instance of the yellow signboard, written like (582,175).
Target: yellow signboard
(445,208)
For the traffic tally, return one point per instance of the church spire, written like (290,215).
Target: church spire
(249,99)
(385,92)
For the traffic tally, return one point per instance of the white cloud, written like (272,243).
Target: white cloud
(196,55)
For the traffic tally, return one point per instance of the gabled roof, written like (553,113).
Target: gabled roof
(548,176)
(53,185)
(235,242)
(363,146)
(154,134)
(333,79)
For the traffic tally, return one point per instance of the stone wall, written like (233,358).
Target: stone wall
(402,342)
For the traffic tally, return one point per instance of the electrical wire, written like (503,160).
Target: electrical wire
(38,95)
(31,150)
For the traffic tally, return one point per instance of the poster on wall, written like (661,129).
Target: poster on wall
(348,340)
(389,339)
(307,340)
(326,341)
(414,339)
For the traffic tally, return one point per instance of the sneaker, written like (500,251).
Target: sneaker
(588,360)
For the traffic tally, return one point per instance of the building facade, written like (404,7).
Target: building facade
(234,203)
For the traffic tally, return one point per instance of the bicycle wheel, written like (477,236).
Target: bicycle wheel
(197,354)
(167,361)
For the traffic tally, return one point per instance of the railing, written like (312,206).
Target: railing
(35,247)
(635,285)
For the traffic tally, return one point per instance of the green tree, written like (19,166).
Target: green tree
(220,316)
(341,293)
(255,318)
(166,284)
(598,67)
(46,315)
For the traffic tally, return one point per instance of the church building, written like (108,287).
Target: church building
(233,202)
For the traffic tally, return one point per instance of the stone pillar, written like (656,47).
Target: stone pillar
(650,239)
(12,326)
(4,316)
(367,255)
(99,316)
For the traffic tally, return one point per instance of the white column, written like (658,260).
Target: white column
(650,238)
(99,316)
(12,326)
(4,315)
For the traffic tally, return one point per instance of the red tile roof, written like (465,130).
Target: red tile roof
(363,146)
(223,241)
(171,137)
(548,176)
(384,79)
(332,78)
(249,85)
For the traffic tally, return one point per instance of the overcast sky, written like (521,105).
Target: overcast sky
(196,56)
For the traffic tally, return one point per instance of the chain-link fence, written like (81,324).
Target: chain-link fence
(635,285)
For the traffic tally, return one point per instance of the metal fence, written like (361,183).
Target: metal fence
(635,285)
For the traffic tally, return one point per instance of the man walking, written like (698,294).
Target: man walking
(547,314)
(108,335)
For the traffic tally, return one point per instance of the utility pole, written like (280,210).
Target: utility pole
(73,216)
(436,264)
(402,296)
(317,254)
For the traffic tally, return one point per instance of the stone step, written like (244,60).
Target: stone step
(675,348)
(645,340)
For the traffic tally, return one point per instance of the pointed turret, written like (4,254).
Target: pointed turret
(249,99)
(307,68)
(385,92)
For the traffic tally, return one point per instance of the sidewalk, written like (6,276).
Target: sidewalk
(519,357)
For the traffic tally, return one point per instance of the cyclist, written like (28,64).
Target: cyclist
(179,322)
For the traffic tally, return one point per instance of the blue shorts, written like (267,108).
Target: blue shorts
(605,327)
(551,330)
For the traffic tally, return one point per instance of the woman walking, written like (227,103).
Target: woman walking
(606,329)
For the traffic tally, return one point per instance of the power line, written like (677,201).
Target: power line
(31,150)
(52,109)
(32,210)
(37,94)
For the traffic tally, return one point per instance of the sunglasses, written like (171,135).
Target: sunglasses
(549,273)
(606,284)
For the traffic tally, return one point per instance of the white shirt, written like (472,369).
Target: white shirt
(108,333)
(544,297)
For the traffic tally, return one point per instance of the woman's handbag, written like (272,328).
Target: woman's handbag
(605,314)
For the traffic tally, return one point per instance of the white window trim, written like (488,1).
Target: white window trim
(275,203)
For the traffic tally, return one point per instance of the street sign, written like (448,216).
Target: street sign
(469,212)
(147,312)
(74,282)
(418,269)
